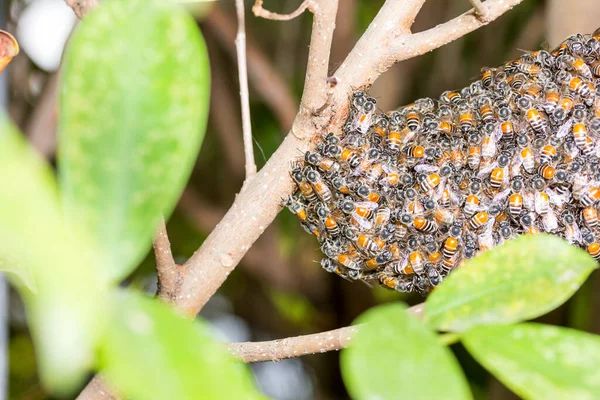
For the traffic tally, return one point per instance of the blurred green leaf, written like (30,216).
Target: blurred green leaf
(67,308)
(522,279)
(539,361)
(152,353)
(394,356)
(133,113)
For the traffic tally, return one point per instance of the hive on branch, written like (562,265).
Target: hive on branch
(403,198)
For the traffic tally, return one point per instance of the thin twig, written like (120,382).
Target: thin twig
(281,349)
(266,81)
(480,10)
(260,12)
(170,275)
(240,44)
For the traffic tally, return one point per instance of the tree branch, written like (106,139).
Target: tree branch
(240,44)
(169,274)
(388,40)
(260,12)
(281,349)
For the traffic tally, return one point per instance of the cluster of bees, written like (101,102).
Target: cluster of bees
(403,198)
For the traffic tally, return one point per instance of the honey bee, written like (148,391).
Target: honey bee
(590,217)
(478,220)
(424,225)
(363,112)
(412,264)
(296,207)
(360,211)
(318,185)
(572,232)
(328,220)
(378,261)
(305,188)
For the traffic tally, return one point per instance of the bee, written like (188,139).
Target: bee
(572,231)
(551,99)
(547,154)
(594,250)
(305,188)
(450,247)
(319,186)
(328,220)
(415,151)
(595,69)
(590,197)
(478,220)
(590,217)
(515,205)
(378,261)
(487,78)
(349,261)
(536,120)
(466,120)
(393,141)
(296,207)
(451,97)
(382,216)
(527,224)
(579,86)
(430,182)
(370,245)
(363,112)
(324,163)
(352,157)
(546,171)
(402,227)
(424,225)
(497,178)
(412,264)
(528,161)
(413,120)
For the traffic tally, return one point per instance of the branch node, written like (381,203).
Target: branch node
(480,11)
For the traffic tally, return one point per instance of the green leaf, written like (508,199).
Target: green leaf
(66,309)
(539,361)
(522,279)
(394,356)
(152,353)
(134,105)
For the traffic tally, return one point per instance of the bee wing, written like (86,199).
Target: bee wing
(496,134)
(515,168)
(369,205)
(486,170)
(529,201)
(388,169)
(501,196)
(576,235)
(555,198)
(426,168)
(564,129)
(408,136)
(363,222)
(539,203)
(549,221)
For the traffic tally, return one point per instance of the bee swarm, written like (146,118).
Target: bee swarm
(405,197)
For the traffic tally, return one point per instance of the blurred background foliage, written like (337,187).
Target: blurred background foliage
(280,290)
